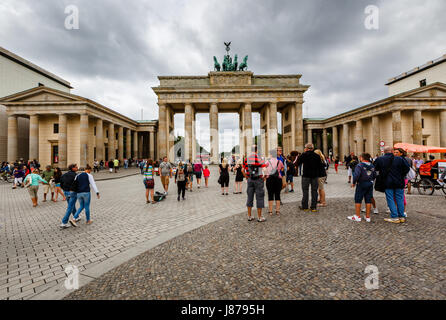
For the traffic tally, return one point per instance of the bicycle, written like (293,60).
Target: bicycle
(7,177)
(427,186)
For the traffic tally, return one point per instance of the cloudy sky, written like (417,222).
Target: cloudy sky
(122,46)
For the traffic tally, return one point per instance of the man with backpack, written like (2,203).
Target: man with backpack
(391,180)
(363,178)
(252,170)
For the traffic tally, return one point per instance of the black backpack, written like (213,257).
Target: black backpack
(254,171)
(291,169)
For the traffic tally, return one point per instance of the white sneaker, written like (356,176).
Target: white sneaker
(354,218)
(64,226)
(375,211)
(440,182)
(363,210)
(165,193)
(368,220)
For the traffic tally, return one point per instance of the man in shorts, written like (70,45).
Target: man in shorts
(165,173)
(48,175)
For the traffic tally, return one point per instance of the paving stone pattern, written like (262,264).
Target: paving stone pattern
(295,256)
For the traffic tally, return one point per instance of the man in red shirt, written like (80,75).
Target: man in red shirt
(253,172)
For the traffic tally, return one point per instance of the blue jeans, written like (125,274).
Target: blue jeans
(396,211)
(84,203)
(71,210)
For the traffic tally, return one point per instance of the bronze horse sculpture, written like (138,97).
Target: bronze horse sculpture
(244,64)
(217,66)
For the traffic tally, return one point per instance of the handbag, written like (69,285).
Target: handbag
(411,174)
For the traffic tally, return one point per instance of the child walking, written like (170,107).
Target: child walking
(206,173)
(363,178)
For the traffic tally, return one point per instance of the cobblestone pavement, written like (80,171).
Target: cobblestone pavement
(34,251)
(295,256)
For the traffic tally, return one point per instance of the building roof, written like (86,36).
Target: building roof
(425,66)
(27,64)
(15,99)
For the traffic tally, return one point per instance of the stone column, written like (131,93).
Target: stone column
(188,134)
(63,156)
(12,138)
(162,130)
(318,140)
(443,130)
(345,144)
(417,128)
(152,145)
(120,143)
(194,136)
(299,127)
(83,129)
(34,137)
(213,122)
(241,131)
(334,140)
(376,136)
(99,140)
(135,145)
(359,137)
(141,146)
(128,144)
(309,136)
(272,134)
(396,127)
(247,117)
(111,142)
(324,142)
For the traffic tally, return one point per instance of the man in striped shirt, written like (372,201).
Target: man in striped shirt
(253,172)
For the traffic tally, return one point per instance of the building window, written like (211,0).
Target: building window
(116,136)
(95,131)
(106,133)
(423,83)
(422,123)
(56,128)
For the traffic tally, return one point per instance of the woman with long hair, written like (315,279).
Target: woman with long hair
(322,178)
(57,176)
(238,177)
(149,181)
(224,177)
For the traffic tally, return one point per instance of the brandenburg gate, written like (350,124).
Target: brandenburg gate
(231,90)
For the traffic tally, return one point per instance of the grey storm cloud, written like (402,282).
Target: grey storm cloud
(122,46)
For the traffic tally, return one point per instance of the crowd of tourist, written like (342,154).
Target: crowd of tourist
(389,173)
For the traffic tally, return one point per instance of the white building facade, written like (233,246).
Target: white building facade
(17,75)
